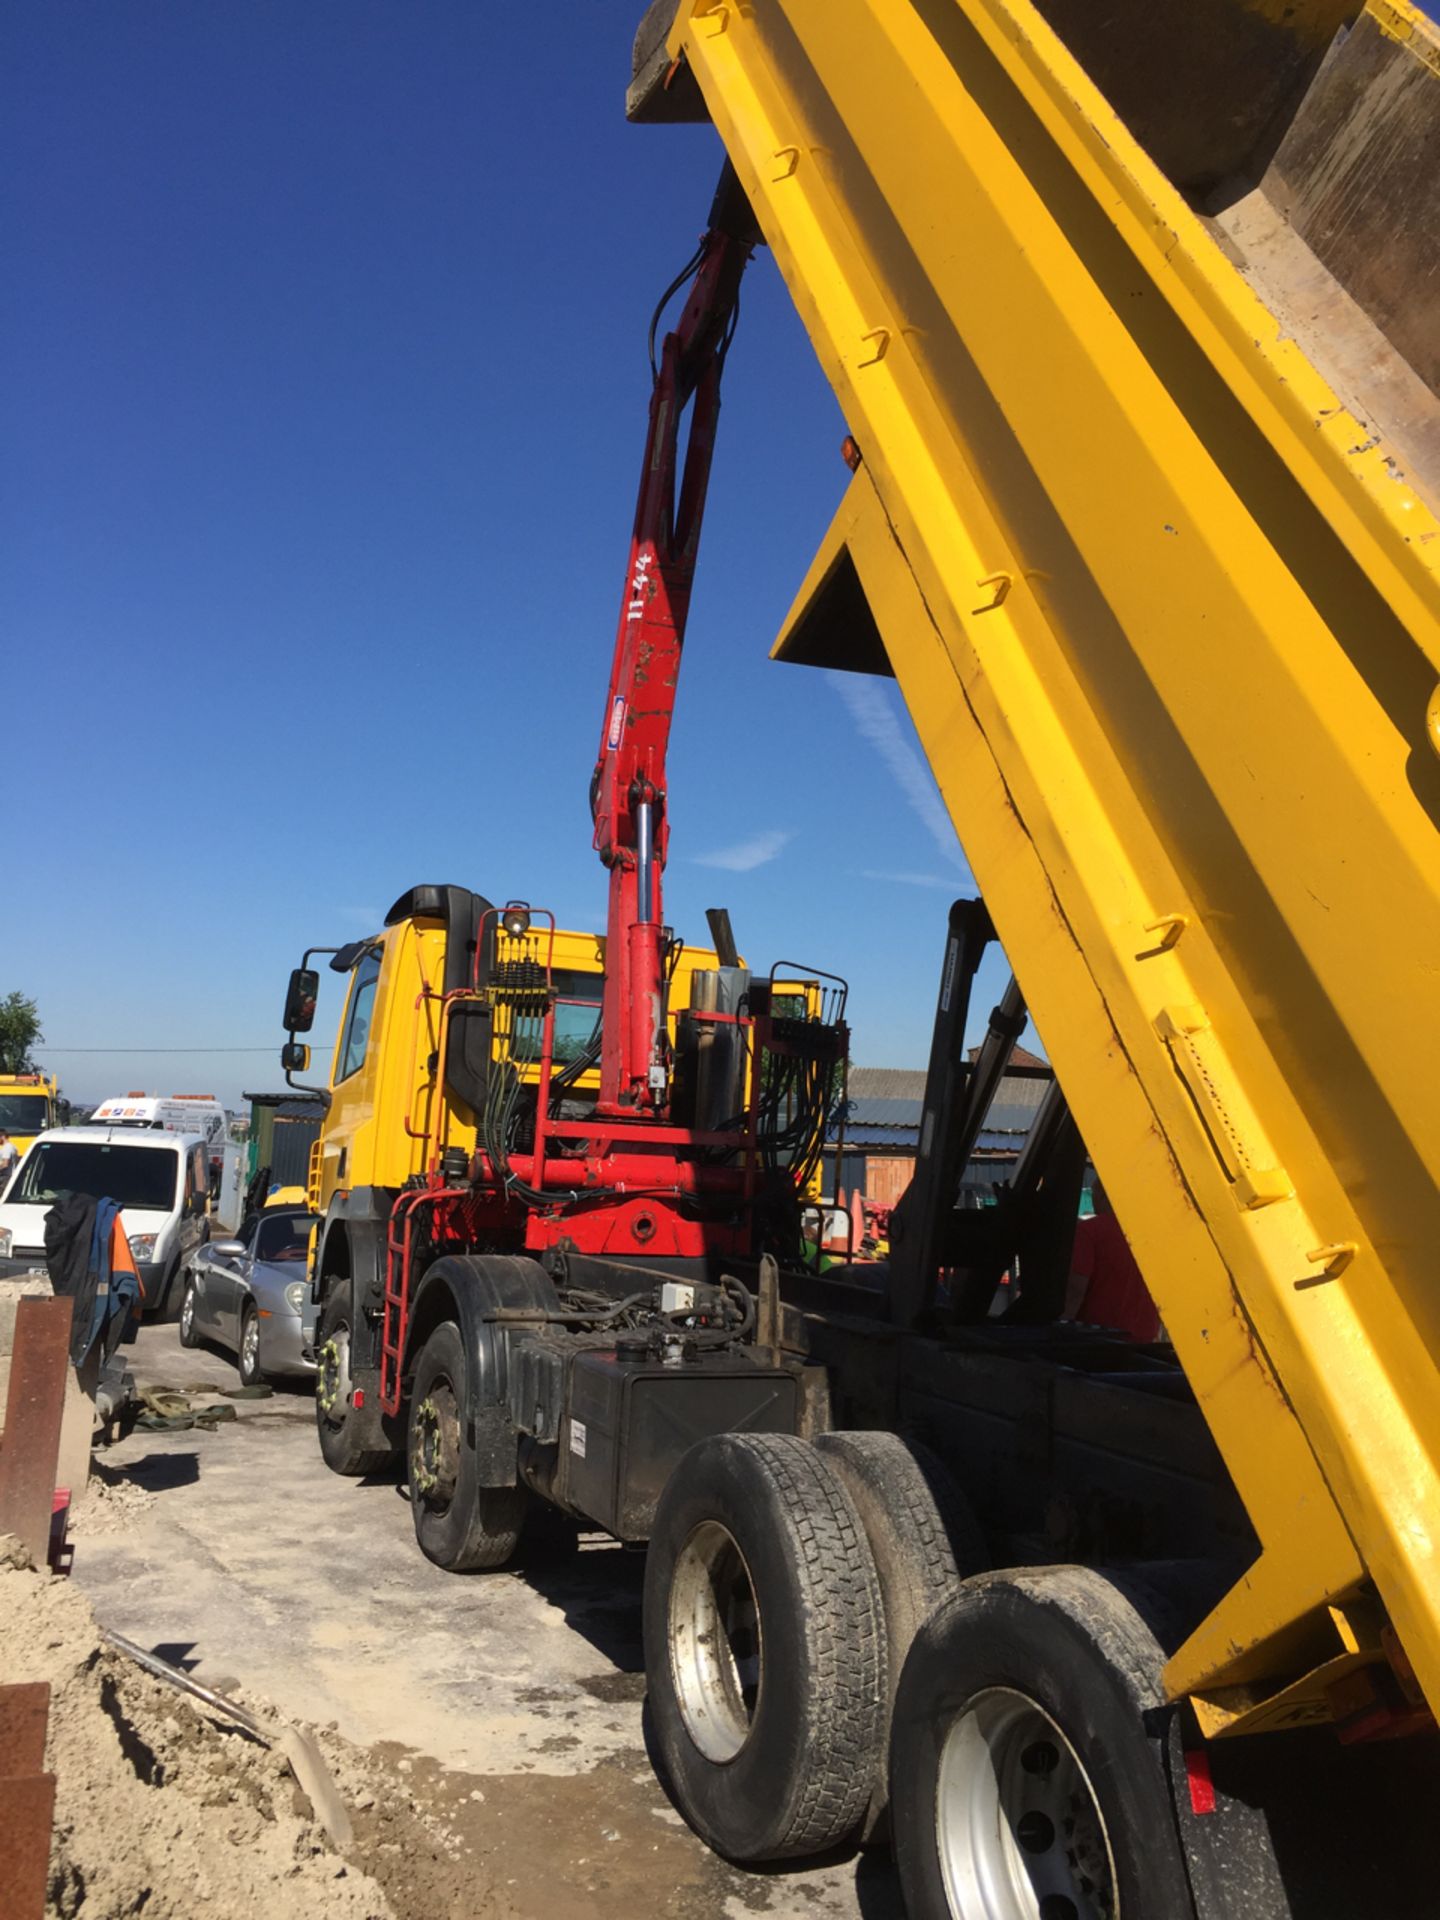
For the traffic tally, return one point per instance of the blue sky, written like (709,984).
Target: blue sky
(324,394)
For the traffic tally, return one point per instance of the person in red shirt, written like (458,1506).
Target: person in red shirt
(1106,1286)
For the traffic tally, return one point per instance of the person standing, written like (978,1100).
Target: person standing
(9,1155)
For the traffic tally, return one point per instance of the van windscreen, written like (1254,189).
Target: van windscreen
(131,1176)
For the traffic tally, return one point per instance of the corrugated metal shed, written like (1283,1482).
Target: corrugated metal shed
(887,1120)
(881,1127)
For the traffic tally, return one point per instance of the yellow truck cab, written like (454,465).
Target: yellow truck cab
(385,1092)
(29,1105)
(410,1093)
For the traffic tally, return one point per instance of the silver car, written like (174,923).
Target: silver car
(251,1295)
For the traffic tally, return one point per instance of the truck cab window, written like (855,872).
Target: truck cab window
(351,1054)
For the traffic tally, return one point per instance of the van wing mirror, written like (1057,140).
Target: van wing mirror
(300,1000)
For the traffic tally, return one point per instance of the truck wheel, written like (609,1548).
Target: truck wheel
(1027,1757)
(924,1539)
(764,1647)
(459,1524)
(335,1421)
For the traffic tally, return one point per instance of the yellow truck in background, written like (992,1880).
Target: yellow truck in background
(29,1104)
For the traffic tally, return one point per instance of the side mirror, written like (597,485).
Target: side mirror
(300,1000)
(226,1249)
(295,1057)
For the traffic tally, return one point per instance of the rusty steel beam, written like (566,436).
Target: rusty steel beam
(27,1794)
(30,1446)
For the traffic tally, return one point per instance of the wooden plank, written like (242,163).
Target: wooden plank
(34,1411)
(24,1711)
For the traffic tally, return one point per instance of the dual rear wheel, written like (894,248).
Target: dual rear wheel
(825,1656)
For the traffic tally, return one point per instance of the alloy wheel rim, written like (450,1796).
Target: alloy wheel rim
(187,1311)
(1017,1825)
(716,1642)
(250,1344)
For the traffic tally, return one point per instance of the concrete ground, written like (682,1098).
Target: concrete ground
(513,1700)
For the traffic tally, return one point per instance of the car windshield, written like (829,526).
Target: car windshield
(23,1112)
(285,1238)
(130,1176)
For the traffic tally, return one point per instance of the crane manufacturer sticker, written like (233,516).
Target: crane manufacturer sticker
(577,1438)
(617,722)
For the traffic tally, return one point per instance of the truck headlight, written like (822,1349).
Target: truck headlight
(142,1246)
(295,1294)
(7,1241)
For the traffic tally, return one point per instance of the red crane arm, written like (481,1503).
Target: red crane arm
(628,789)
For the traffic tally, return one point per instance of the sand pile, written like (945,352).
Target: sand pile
(112,1503)
(160,1808)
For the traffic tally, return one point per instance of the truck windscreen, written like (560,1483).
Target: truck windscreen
(24,1112)
(131,1176)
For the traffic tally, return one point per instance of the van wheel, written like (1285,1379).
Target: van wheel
(1027,1757)
(167,1299)
(335,1419)
(459,1524)
(764,1647)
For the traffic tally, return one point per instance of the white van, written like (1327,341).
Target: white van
(199,1113)
(159,1179)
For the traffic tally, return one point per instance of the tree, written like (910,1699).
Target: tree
(19,1032)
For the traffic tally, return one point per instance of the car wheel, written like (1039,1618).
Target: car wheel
(189,1333)
(459,1524)
(251,1372)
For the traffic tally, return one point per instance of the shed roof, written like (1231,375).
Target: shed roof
(299,1104)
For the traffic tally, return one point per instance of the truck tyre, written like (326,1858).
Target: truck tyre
(335,1421)
(1027,1758)
(924,1538)
(764,1648)
(459,1524)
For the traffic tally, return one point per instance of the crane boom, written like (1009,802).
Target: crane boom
(628,787)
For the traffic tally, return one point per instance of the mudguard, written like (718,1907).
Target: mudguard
(491,1297)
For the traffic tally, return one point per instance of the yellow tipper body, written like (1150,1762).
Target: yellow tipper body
(1161,597)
